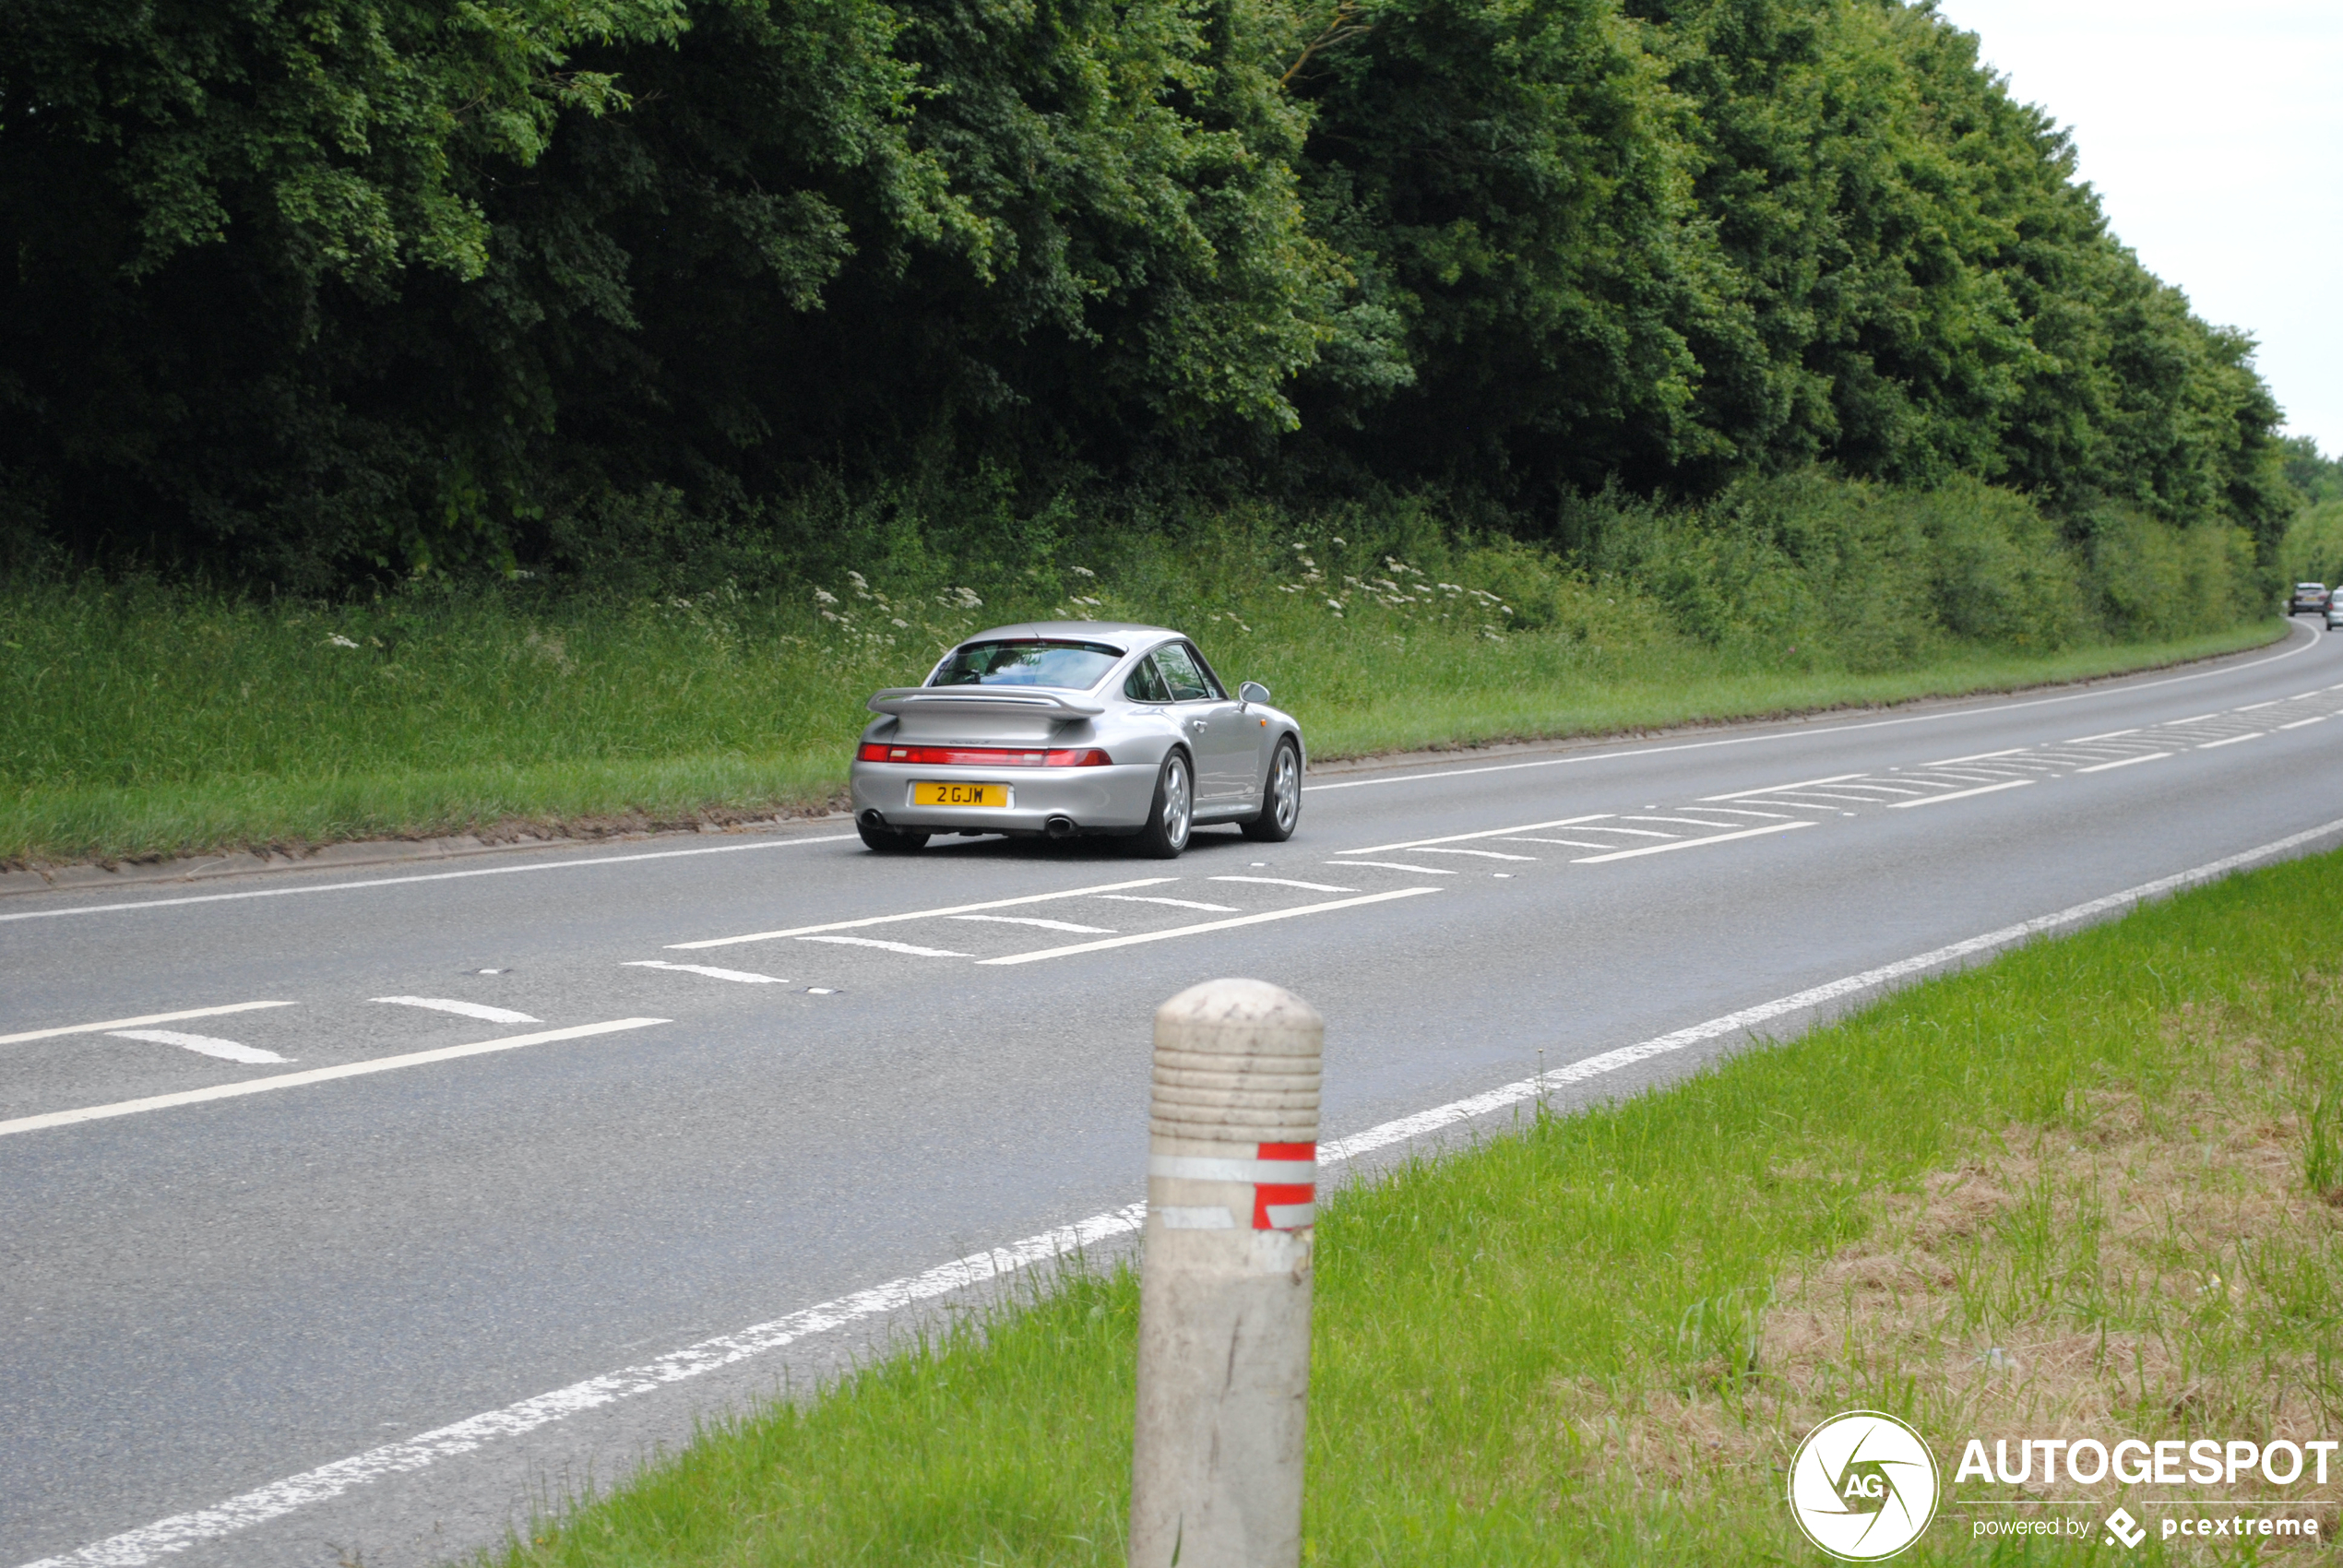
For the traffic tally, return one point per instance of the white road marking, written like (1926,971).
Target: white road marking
(312,1075)
(1689,843)
(428,876)
(1201,929)
(744,976)
(480,1010)
(1478,854)
(2102,767)
(1987,708)
(226,1049)
(1394,865)
(2252,705)
(2232,740)
(1176,903)
(2315,719)
(1790,796)
(1567,843)
(922,914)
(1636,832)
(1776,789)
(1045,925)
(139,1022)
(2102,735)
(1484,833)
(2176,723)
(1974,757)
(1288,882)
(1744,811)
(1688,821)
(889,946)
(135,1548)
(1962,794)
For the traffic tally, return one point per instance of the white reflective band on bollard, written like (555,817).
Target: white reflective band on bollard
(1224,1291)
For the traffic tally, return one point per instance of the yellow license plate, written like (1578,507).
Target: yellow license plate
(924,794)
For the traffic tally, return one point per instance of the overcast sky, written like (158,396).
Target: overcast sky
(2214,133)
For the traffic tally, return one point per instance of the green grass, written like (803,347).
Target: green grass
(142,721)
(1594,1337)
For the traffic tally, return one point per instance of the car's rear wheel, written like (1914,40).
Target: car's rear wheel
(1280,798)
(890,840)
(1173,812)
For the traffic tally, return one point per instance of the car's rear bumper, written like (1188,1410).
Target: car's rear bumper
(1092,798)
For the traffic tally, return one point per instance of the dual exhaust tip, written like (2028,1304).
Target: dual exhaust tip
(1056,827)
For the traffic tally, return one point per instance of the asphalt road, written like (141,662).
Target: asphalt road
(375,1316)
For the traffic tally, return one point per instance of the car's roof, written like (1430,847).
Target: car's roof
(1124,634)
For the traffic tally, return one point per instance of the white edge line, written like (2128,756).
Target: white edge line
(403,881)
(917,914)
(1962,794)
(1488,833)
(310,1075)
(1688,843)
(132,1549)
(1198,929)
(1985,707)
(140,1021)
(2102,767)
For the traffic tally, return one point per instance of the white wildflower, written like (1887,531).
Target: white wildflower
(1082,571)
(824,596)
(338,640)
(902,622)
(1336,542)
(1334,604)
(858,579)
(1307,562)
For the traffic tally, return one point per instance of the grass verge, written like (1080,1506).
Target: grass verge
(2093,1187)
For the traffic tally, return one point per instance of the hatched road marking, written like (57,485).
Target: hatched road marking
(746,977)
(225,1050)
(480,1010)
(111,1025)
(1198,929)
(807,931)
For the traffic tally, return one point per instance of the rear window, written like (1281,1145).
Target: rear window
(1036,662)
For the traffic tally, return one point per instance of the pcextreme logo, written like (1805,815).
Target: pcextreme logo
(1864,1486)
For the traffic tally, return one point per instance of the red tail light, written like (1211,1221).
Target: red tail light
(983,756)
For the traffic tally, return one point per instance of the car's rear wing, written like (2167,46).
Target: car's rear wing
(904,701)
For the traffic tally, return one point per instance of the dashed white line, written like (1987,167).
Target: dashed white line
(139,1022)
(480,1010)
(1176,903)
(2314,718)
(1036,920)
(1288,882)
(1689,843)
(2102,767)
(922,914)
(2232,740)
(1394,865)
(1962,794)
(133,1548)
(745,977)
(225,1050)
(911,949)
(1201,928)
(311,1076)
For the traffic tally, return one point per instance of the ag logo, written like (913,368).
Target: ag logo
(1864,1486)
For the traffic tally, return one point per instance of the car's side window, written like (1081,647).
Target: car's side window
(1146,683)
(1212,686)
(1180,672)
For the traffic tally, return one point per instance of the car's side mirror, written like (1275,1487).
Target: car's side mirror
(1253,691)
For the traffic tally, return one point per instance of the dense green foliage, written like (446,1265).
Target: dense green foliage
(306,291)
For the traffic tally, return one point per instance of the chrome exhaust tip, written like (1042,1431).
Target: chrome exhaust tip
(1060,827)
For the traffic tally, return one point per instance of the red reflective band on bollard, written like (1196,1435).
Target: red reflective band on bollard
(1285,1205)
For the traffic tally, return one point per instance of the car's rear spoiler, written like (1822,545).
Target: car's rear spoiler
(905,700)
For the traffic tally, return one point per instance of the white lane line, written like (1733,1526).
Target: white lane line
(140,1021)
(1036,920)
(1288,882)
(1963,795)
(2102,767)
(226,1049)
(2315,719)
(922,914)
(1985,709)
(1484,833)
(1478,854)
(480,1010)
(165,1538)
(1689,843)
(313,1076)
(2232,740)
(1778,789)
(428,876)
(2103,736)
(1176,903)
(1201,929)
(745,977)
(905,947)
(1394,865)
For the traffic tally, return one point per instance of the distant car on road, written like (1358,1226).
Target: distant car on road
(2334,613)
(1064,728)
(2311,596)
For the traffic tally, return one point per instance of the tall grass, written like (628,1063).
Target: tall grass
(140,719)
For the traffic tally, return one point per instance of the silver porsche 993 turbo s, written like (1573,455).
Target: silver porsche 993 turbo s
(1064,728)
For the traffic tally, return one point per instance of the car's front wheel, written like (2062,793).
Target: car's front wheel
(1173,813)
(890,840)
(1280,798)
